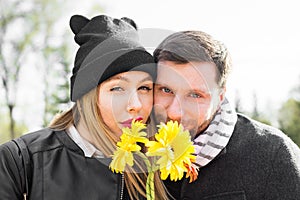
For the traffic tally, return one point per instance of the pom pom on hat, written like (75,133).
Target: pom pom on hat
(108,46)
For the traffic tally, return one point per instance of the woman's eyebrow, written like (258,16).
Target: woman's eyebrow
(119,78)
(148,78)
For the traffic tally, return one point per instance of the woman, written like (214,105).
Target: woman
(111,85)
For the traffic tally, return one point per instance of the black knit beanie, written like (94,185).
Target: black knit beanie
(108,46)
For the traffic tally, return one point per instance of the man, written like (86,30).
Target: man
(238,158)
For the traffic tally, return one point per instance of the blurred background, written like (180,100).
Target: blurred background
(37,51)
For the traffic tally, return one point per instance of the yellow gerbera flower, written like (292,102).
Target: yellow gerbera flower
(175,149)
(135,133)
(120,158)
(127,145)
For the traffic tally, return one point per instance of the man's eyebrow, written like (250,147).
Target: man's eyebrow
(200,91)
(189,90)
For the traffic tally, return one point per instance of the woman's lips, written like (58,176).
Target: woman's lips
(139,119)
(127,123)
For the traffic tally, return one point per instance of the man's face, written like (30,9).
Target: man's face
(187,93)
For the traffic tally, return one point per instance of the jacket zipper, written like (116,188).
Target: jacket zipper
(122,187)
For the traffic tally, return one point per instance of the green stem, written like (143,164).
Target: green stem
(150,192)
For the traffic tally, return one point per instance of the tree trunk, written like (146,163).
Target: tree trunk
(12,121)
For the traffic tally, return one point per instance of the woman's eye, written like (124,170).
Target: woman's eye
(145,88)
(166,90)
(117,88)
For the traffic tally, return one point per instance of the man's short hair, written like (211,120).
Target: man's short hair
(195,46)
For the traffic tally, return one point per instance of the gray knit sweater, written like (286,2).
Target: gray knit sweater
(259,163)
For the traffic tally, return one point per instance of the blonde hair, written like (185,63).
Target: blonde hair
(87,110)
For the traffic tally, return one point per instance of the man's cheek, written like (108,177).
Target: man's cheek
(160,113)
(163,100)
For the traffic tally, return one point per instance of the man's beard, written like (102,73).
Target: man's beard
(191,125)
(203,126)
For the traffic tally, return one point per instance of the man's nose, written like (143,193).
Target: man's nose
(134,103)
(174,110)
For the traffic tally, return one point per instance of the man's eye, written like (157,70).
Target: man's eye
(195,95)
(166,90)
(145,88)
(117,88)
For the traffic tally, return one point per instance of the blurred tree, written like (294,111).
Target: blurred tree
(261,118)
(255,114)
(56,90)
(289,119)
(32,26)
(5,126)
(54,54)
(295,92)
(14,46)
(238,102)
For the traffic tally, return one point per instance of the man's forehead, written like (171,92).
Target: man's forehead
(205,68)
(194,73)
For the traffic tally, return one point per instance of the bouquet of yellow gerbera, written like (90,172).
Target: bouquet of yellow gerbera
(173,149)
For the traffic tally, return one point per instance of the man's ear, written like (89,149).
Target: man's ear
(222,94)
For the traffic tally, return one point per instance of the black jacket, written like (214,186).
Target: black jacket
(259,163)
(60,171)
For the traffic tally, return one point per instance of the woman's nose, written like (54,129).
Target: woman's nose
(134,103)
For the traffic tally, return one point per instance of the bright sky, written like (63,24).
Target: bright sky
(263,37)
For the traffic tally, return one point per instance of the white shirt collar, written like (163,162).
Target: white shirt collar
(88,149)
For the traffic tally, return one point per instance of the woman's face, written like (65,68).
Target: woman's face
(124,97)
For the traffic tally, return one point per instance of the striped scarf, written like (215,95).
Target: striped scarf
(214,139)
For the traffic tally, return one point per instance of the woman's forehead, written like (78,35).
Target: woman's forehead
(131,76)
